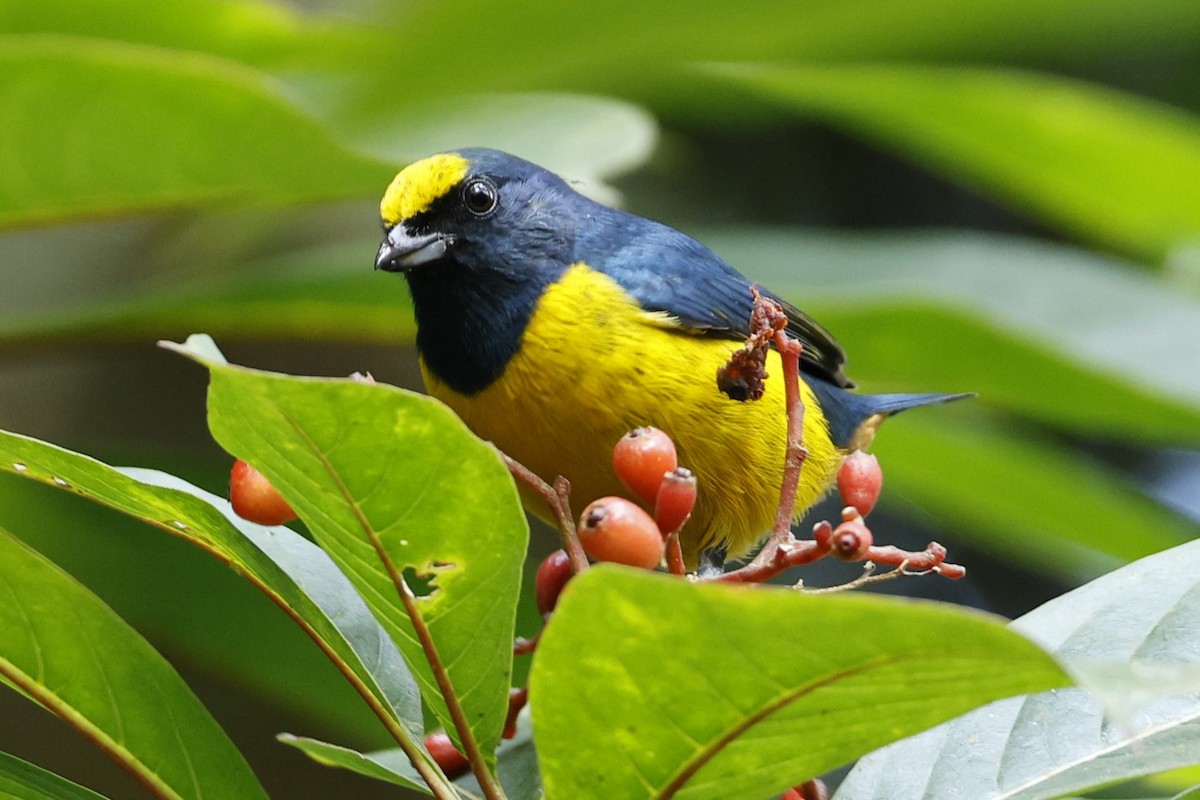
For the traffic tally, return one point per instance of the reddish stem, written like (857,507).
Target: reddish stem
(526,647)
(790,351)
(558,499)
(675,563)
(517,698)
(781,549)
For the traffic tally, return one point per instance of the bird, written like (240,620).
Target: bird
(552,324)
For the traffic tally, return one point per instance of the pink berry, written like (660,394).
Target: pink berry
(860,480)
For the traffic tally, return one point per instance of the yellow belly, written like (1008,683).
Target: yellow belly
(593,365)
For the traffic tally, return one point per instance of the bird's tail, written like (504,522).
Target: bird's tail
(853,417)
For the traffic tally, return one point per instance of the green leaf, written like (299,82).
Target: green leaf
(1065,155)
(516,763)
(98,128)
(1056,743)
(714,691)
(289,569)
(390,766)
(375,470)
(62,647)
(20,780)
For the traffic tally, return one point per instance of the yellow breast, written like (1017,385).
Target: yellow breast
(593,365)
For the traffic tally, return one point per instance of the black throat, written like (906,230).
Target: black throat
(470,321)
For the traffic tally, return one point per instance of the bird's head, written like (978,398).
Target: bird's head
(475,209)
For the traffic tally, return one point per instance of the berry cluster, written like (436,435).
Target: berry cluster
(618,530)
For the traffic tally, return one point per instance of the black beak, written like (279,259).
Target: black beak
(401,251)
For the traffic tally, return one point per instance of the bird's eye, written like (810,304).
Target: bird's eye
(480,197)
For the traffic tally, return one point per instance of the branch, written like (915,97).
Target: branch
(558,498)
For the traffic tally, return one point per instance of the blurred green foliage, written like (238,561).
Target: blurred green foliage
(215,165)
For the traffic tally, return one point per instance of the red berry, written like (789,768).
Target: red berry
(675,500)
(791,794)
(255,499)
(860,480)
(452,762)
(614,529)
(552,575)
(641,458)
(852,539)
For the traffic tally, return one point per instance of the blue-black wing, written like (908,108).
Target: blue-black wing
(669,271)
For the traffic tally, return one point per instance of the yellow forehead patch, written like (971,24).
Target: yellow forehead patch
(420,184)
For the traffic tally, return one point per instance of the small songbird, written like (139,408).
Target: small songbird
(553,325)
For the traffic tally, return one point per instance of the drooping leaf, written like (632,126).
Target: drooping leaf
(707,691)
(390,766)
(66,650)
(1047,745)
(289,569)
(392,485)
(516,763)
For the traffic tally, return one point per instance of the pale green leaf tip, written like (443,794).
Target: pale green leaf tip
(198,347)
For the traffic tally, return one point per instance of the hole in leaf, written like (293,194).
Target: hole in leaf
(421,585)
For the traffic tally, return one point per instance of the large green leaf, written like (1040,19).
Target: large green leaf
(1115,168)
(20,780)
(1056,743)
(293,572)
(373,471)
(62,647)
(100,128)
(650,686)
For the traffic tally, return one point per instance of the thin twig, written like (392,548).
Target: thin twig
(487,782)
(479,768)
(558,499)
(782,550)
(790,351)
(675,563)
